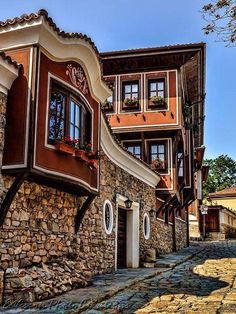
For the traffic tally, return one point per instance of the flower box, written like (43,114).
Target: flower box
(80,154)
(131,103)
(156,101)
(157,164)
(92,155)
(64,148)
(93,164)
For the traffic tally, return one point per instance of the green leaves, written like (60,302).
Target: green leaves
(222,174)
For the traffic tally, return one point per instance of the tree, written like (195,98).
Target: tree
(222,174)
(221,16)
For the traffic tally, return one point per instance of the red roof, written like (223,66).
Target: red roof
(226,192)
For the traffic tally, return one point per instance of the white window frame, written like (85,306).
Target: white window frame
(108,230)
(147,236)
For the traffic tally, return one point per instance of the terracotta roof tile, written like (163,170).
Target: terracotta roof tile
(9,60)
(43,13)
(152,49)
(227,192)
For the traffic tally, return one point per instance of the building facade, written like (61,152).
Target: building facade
(157,112)
(79,196)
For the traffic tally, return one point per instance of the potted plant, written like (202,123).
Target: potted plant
(157,164)
(88,149)
(66,145)
(156,100)
(129,102)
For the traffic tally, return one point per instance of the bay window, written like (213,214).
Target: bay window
(68,116)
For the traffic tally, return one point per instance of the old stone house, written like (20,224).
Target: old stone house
(76,198)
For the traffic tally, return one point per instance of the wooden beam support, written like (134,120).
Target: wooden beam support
(82,210)
(11,193)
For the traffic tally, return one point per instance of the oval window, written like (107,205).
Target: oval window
(146,226)
(108,216)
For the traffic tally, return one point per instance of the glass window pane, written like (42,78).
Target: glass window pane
(56,115)
(130,149)
(127,88)
(72,112)
(160,85)
(127,95)
(161,93)
(161,149)
(153,86)
(153,94)
(134,88)
(154,149)
(76,133)
(72,131)
(137,150)
(109,99)
(134,95)
(77,115)
(153,157)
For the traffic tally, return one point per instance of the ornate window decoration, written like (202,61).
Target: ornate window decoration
(78,78)
(69,117)
(146,226)
(108,216)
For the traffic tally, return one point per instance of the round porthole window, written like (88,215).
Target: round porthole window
(146,226)
(108,216)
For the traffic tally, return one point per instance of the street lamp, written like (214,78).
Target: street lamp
(128,203)
(204,210)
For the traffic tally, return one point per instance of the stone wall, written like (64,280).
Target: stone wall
(180,233)
(97,247)
(38,239)
(163,234)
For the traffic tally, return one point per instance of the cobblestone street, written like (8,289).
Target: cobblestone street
(204,284)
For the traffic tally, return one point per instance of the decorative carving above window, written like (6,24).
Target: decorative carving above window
(78,78)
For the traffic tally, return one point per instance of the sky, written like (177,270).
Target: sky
(124,24)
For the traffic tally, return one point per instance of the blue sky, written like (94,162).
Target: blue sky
(123,24)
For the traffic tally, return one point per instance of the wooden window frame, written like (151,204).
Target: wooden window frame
(83,125)
(159,142)
(152,106)
(134,144)
(179,159)
(130,107)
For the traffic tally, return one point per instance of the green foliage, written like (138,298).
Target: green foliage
(222,174)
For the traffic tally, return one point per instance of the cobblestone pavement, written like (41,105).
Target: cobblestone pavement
(204,284)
